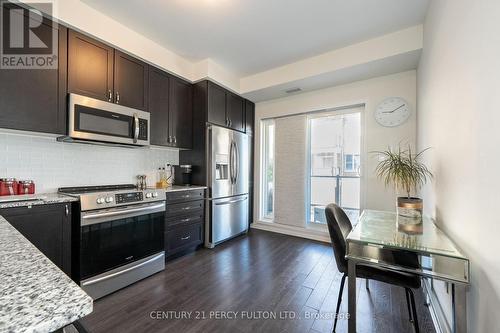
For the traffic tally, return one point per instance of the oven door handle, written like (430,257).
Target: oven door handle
(94,218)
(109,276)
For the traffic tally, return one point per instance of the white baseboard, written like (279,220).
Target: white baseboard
(316,235)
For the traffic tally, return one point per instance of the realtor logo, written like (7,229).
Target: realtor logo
(28,37)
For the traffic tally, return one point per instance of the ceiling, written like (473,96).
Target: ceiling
(250,36)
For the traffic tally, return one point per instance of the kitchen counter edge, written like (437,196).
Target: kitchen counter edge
(177,188)
(36,296)
(35,199)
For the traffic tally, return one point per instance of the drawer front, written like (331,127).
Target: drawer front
(183,237)
(185,208)
(182,196)
(175,221)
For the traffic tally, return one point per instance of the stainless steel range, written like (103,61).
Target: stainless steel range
(121,236)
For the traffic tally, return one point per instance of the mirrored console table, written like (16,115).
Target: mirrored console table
(438,256)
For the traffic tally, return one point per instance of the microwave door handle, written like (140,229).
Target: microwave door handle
(136,127)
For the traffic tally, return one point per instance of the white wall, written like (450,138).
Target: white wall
(375,137)
(369,51)
(458,84)
(52,164)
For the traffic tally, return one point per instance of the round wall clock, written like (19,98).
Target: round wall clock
(392,111)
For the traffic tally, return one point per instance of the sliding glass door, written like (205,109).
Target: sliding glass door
(334,163)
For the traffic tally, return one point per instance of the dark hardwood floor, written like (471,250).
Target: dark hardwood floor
(260,274)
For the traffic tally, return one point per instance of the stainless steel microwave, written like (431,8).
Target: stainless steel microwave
(95,120)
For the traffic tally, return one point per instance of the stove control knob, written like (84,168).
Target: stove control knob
(149,195)
(155,194)
(109,199)
(100,200)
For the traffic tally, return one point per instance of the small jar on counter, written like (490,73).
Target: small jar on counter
(8,186)
(26,187)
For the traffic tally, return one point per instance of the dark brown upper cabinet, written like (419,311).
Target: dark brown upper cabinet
(225,108)
(97,70)
(216,104)
(170,106)
(130,81)
(249,117)
(159,87)
(235,112)
(35,99)
(181,113)
(90,67)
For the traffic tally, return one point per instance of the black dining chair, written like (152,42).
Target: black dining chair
(339,226)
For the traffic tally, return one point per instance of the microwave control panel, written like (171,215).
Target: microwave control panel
(143,129)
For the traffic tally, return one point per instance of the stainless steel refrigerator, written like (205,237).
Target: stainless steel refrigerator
(227,175)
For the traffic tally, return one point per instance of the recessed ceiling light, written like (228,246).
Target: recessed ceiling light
(205,2)
(293,90)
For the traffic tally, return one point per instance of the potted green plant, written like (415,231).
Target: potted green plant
(404,170)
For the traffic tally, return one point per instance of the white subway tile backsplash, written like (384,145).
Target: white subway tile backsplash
(53,164)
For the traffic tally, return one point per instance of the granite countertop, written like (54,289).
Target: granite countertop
(35,295)
(176,188)
(34,199)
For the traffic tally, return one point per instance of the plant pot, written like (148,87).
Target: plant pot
(406,226)
(410,210)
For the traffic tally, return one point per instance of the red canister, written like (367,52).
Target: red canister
(26,187)
(8,186)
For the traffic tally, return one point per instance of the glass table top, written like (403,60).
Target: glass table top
(381,228)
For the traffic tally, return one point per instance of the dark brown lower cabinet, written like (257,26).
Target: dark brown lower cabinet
(48,227)
(183,238)
(184,222)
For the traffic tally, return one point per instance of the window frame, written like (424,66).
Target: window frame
(333,112)
(265,163)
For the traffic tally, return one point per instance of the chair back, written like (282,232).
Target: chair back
(339,227)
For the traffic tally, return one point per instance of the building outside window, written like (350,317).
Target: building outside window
(334,148)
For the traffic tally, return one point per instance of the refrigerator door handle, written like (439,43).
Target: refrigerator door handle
(236,162)
(230,202)
(231,162)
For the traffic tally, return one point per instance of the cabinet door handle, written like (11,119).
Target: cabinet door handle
(110,96)
(185,220)
(169,139)
(185,238)
(175,139)
(66,210)
(117,99)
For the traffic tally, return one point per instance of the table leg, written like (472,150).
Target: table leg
(459,303)
(351,295)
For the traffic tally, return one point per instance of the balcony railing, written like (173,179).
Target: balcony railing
(350,204)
